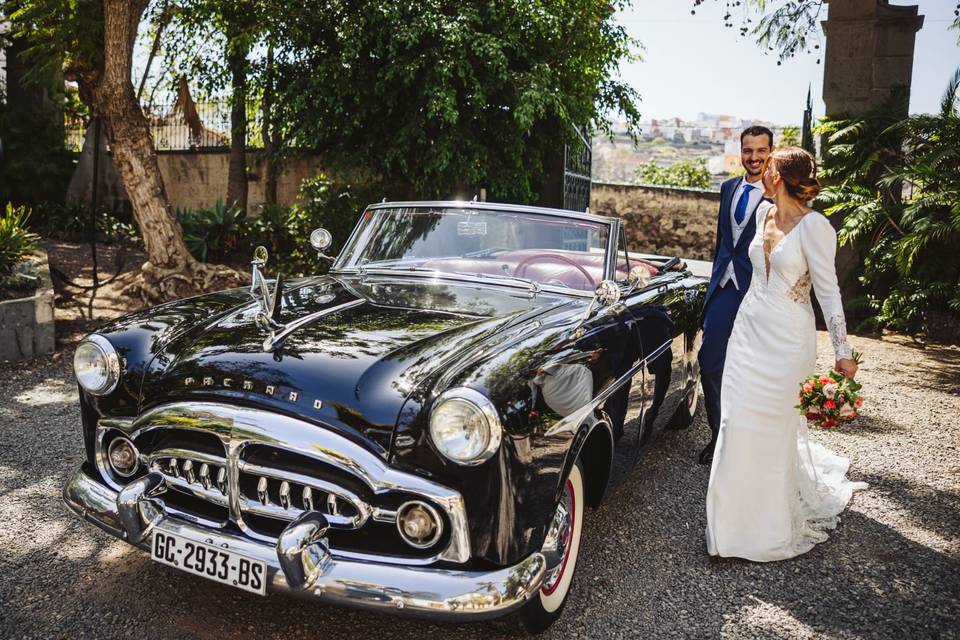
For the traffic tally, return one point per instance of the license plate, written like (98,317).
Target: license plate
(213,563)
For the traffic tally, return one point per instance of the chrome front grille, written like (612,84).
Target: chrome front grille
(284,495)
(193,472)
(224,467)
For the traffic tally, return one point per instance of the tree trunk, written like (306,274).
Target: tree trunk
(112,97)
(237,172)
(108,90)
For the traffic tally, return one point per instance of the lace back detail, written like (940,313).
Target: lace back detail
(800,291)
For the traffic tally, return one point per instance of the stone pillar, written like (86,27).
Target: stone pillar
(869,51)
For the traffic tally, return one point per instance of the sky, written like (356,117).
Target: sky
(693,64)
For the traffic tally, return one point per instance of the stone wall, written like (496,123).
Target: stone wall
(196,179)
(662,220)
(26,324)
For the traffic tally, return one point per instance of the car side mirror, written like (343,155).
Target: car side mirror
(321,239)
(607,293)
(638,277)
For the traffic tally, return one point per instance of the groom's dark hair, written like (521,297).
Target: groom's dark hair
(757,130)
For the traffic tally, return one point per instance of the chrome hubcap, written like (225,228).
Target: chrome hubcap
(557,543)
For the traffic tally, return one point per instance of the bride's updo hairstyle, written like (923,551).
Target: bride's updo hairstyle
(798,170)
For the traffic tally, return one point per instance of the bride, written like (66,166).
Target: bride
(772,492)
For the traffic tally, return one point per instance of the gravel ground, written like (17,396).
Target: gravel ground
(891,570)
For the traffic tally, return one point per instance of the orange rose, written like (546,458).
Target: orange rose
(825,380)
(808,387)
(858,402)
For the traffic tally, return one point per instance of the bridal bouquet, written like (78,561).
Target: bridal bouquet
(829,399)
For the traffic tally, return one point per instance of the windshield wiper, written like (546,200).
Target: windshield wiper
(532,284)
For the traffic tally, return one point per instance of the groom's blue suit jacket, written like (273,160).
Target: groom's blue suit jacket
(726,250)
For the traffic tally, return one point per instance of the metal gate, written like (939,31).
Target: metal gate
(577,160)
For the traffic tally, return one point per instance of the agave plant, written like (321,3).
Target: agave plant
(896,182)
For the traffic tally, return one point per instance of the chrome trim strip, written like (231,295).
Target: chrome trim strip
(238,427)
(400,275)
(441,594)
(276,336)
(493,206)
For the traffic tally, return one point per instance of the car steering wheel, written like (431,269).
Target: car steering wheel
(521,268)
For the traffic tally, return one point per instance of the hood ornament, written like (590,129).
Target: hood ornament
(267,318)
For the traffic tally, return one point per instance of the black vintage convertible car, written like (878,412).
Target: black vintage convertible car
(417,431)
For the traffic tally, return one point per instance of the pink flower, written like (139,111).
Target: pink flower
(830,389)
(847,411)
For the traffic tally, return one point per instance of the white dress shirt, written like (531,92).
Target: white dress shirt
(755,195)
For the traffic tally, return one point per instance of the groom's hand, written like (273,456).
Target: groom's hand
(847,367)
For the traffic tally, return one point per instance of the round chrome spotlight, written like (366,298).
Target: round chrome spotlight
(123,457)
(419,524)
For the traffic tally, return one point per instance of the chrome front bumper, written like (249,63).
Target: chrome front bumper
(299,564)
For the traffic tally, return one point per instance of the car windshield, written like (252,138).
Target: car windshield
(545,249)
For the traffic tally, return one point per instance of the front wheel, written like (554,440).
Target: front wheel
(562,545)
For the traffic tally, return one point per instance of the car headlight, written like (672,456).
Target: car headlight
(96,365)
(464,426)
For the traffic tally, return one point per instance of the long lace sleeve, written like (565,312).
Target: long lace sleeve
(820,249)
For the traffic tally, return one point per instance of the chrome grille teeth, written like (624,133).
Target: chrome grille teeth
(308,499)
(174,469)
(332,508)
(188,471)
(222,480)
(285,494)
(205,475)
(262,491)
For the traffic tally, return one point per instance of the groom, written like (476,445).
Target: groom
(730,279)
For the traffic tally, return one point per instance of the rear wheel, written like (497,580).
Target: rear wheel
(566,529)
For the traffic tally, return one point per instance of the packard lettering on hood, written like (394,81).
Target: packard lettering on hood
(399,434)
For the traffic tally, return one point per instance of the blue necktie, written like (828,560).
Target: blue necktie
(742,203)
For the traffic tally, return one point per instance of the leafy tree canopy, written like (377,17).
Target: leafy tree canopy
(438,96)
(691,174)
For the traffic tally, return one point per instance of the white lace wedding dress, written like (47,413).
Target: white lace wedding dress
(773,493)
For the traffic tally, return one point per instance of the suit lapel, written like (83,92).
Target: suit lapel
(750,229)
(725,212)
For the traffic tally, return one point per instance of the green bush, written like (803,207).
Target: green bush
(16,240)
(285,231)
(212,233)
(71,221)
(691,174)
(896,182)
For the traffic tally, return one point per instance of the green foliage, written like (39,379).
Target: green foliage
(691,174)
(285,231)
(71,221)
(896,181)
(16,239)
(36,164)
(789,137)
(213,232)
(435,98)
(66,37)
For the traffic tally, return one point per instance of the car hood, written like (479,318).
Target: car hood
(360,347)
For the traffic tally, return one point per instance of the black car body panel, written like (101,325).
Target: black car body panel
(372,351)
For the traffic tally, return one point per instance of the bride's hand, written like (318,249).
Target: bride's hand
(847,367)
